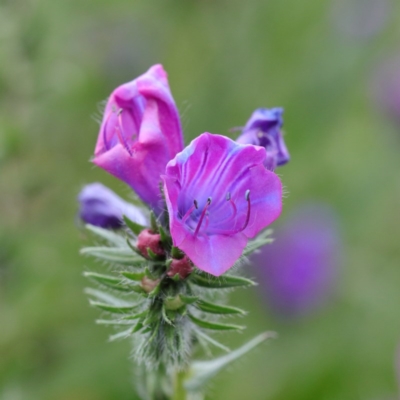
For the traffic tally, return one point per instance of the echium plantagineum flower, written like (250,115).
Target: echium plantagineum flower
(100,206)
(264,128)
(140,133)
(219,194)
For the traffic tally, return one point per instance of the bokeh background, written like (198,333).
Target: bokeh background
(333,65)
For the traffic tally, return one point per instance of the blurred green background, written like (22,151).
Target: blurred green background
(60,59)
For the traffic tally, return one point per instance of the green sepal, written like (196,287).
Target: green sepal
(118,255)
(133,226)
(173,303)
(153,256)
(113,309)
(135,316)
(216,326)
(110,236)
(165,316)
(226,281)
(218,308)
(188,299)
(107,280)
(176,253)
(133,276)
(201,372)
(261,240)
(155,291)
(165,238)
(153,222)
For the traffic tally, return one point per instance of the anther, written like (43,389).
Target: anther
(228,196)
(191,209)
(247,195)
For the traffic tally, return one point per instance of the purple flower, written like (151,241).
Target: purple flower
(100,206)
(386,88)
(218,195)
(264,128)
(140,133)
(297,272)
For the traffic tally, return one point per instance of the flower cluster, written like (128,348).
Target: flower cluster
(218,192)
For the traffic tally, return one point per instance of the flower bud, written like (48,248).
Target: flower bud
(183,267)
(100,206)
(148,240)
(264,128)
(148,284)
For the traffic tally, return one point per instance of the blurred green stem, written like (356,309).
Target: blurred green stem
(179,389)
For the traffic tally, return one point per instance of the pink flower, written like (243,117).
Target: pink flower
(219,194)
(140,133)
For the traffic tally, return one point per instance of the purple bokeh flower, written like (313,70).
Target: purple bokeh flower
(264,128)
(298,271)
(218,195)
(100,206)
(386,88)
(140,133)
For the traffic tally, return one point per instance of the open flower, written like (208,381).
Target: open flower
(140,133)
(264,128)
(100,206)
(218,195)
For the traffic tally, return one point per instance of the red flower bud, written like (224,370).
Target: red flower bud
(183,267)
(147,239)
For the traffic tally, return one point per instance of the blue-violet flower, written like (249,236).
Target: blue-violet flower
(100,206)
(264,128)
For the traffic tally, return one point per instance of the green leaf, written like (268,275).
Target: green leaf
(106,298)
(218,308)
(113,322)
(260,241)
(202,371)
(188,299)
(133,226)
(133,276)
(107,280)
(118,255)
(121,335)
(226,281)
(113,309)
(217,326)
(110,236)
(212,341)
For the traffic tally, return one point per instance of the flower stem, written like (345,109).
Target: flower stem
(179,389)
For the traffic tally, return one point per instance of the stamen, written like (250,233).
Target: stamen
(247,197)
(203,213)
(234,231)
(191,209)
(120,132)
(228,196)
